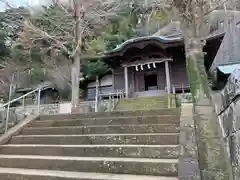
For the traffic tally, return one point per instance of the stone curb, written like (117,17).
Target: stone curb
(17,129)
(188,168)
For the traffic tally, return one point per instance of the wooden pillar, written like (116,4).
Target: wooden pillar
(133,80)
(168,83)
(126,80)
(113,82)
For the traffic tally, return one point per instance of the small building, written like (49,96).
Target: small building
(49,93)
(149,66)
(105,87)
(156,65)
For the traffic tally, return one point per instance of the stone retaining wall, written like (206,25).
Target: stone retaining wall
(204,154)
(212,152)
(227,106)
(229,120)
(51,109)
(19,113)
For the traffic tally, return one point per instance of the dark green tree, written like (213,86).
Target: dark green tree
(121,28)
(4,50)
(93,69)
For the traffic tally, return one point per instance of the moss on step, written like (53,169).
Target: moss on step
(146,103)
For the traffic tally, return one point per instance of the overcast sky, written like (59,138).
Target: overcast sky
(22,3)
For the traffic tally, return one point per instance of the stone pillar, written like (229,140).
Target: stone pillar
(126,80)
(168,83)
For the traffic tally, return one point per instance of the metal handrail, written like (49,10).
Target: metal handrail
(16,99)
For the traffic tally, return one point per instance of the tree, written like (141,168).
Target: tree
(95,69)
(11,21)
(121,28)
(4,50)
(192,15)
(7,65)
(66,27)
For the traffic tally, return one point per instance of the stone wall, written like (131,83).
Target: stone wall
(51,109)
(46,109)
(21,112)
(212,152)
(227,106)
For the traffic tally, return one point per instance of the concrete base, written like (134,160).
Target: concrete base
(151,93)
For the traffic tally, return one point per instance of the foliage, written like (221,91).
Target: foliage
(52,30)
(18,53)
(41,27)
(11,22)
(95,46)
(4,50)
(37,76)
(121,28)
(94,68)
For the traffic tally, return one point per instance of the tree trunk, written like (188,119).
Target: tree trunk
(97,94)
(76,58)
(200,90)
(196,70)
(75,83)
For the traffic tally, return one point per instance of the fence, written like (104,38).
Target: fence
(9,115)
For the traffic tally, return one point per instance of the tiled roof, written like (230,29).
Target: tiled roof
(172,32)
(162,39)
(172,28)
(228,52)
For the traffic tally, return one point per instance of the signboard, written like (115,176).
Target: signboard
(65,108)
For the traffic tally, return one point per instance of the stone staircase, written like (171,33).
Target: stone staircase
(121,145)
(145,103)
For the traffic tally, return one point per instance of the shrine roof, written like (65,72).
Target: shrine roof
(175,38)
(165,40)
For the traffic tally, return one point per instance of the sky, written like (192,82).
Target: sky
(16,3)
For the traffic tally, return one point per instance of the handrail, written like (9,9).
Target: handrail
(16,99)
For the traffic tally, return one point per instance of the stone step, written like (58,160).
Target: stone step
(108,121)
(146,103)
(146,139)
(136,166)
(164,111)
(133,151)
(105,129)
(36,174)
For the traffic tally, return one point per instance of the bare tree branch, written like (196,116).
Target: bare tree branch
(216,6)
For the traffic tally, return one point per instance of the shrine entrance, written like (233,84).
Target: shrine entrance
(150,82)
